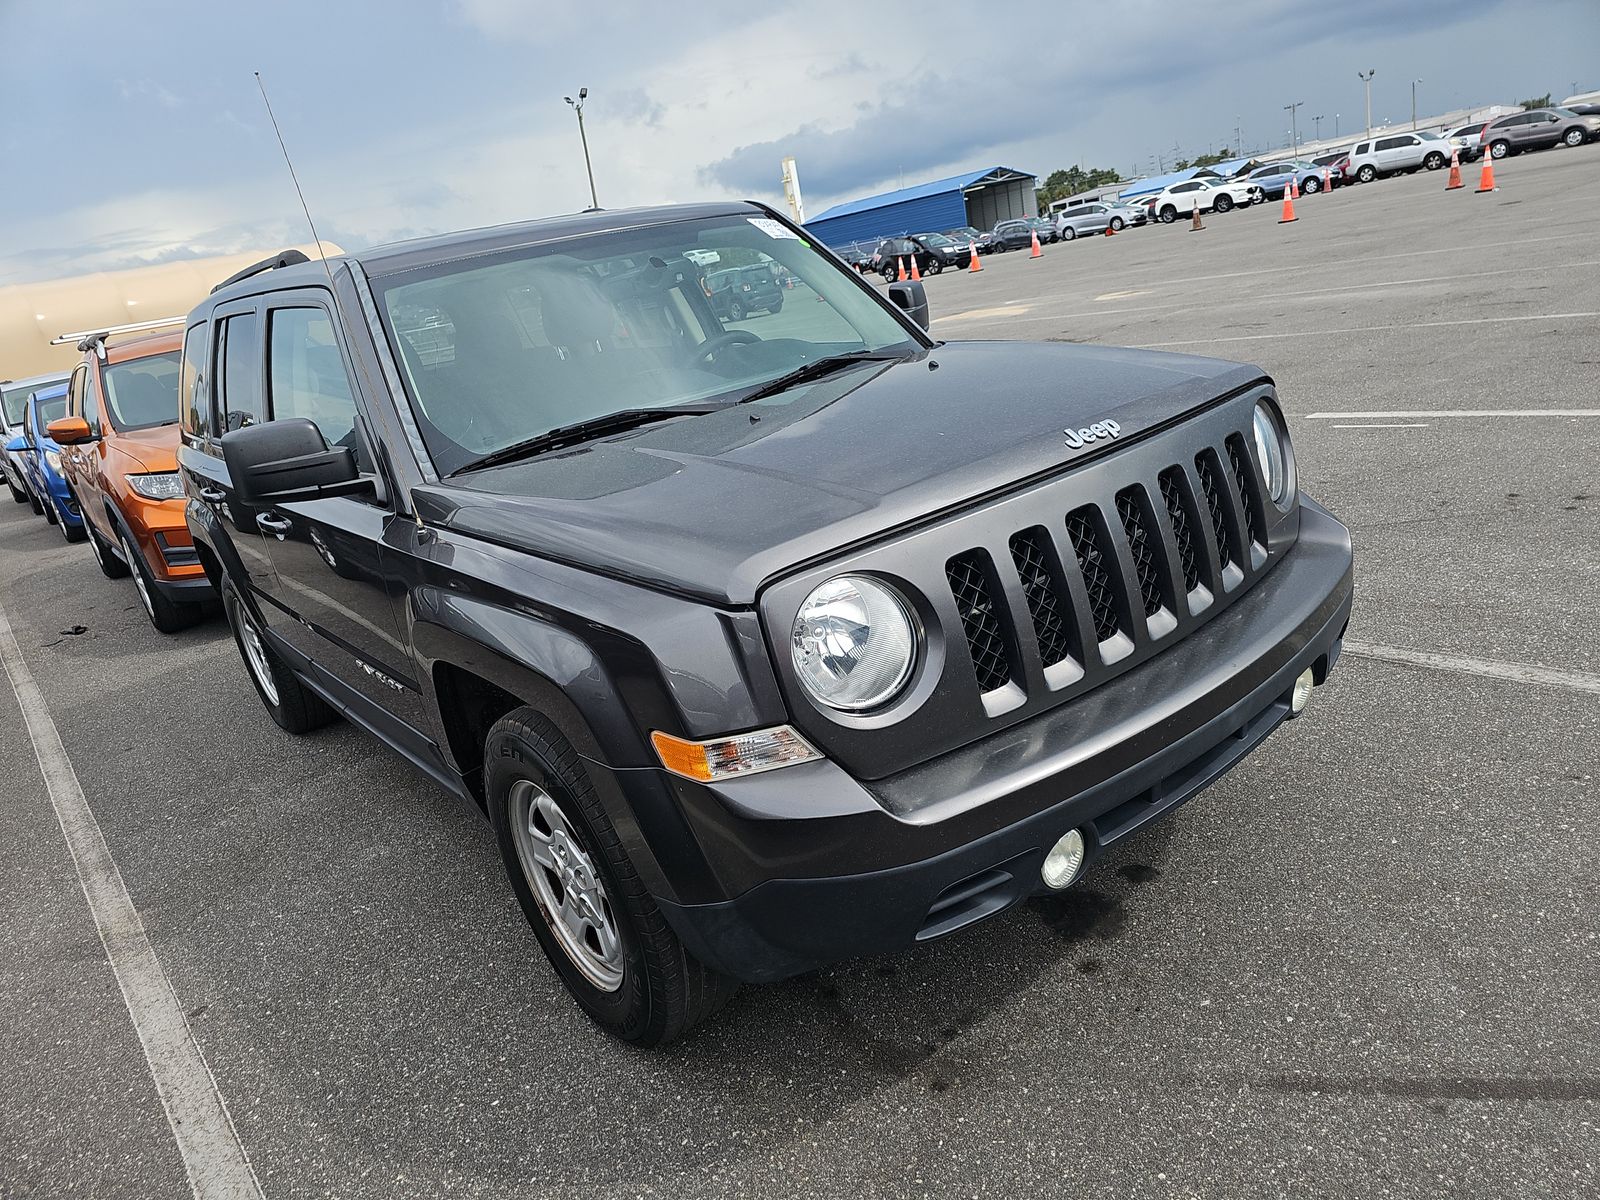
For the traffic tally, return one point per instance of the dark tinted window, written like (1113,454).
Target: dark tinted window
(306,375)
(1390,143)
(238,373)
(142,393)
(191,387)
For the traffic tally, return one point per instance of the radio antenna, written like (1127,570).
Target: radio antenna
(295,179)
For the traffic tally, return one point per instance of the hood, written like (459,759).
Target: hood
(153,449)
(713,506)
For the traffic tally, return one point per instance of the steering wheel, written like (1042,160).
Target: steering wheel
(712,344)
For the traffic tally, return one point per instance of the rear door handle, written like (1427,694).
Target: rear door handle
(213,495)
(277,526)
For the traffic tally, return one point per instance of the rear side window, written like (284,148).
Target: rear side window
(191,384)
(306,376)
(1361,149)
(238,372)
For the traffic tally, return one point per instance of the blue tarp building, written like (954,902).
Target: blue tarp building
(978,198)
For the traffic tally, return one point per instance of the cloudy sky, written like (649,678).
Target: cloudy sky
(133,132)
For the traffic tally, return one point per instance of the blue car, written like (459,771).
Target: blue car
(41,460)
(1274,177)
(13,402)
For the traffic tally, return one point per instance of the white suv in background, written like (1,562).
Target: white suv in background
(1212,195)
(1396,152)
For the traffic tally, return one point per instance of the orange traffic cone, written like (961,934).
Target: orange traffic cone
(1036,252)
(1294,188)
(976,265)
(1288,206)
(900,270)
(915,274)
(1486,177)
(1455,172)
(1110,232)
(1196,224)
(1327,180)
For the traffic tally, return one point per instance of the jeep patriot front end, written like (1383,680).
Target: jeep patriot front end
(762,642)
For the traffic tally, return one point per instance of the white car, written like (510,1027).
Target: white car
(1212,195)
(1396,152)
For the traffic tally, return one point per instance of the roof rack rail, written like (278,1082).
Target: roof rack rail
(288,258)
(95,339)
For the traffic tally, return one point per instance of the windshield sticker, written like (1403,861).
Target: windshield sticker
(772,228)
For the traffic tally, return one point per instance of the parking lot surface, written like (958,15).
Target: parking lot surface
(1364,963)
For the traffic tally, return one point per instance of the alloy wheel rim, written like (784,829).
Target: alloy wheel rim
(255,655)
(138,580)
(566,885)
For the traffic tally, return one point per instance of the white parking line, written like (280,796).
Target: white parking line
(1423,425)
(1406,328)
(213,1156)
(1490,668)
(1456,412)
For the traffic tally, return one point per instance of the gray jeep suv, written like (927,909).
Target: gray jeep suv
(759,647)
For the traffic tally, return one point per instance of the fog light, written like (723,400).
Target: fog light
(1065,858)
(1302,692)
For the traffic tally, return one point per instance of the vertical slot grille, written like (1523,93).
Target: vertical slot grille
(1173,494)
(980,620)
(1030,550)
(1207,468)
(1084,532)
(1244,474)
(1146,549)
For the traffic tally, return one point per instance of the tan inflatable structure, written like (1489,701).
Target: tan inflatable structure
(33,313)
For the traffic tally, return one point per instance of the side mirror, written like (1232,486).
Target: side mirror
(69,431)
(912,298)
(286,460)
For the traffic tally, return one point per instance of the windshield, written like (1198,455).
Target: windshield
(143,392)
(1565,112)
(15,399)
(497,349)
(934,239)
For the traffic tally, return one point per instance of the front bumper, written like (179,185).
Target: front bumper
(833,869)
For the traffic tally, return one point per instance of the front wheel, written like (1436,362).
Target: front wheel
(1069,234)
(1434,161)
(73,533)
(1224,203)
(33,503)
(168,616)
(110,565)
(1118,224)
(1311,185)
(592,915)
(1500,149)
(1367,173)
(17,494)
(1169,214)
(1573,138)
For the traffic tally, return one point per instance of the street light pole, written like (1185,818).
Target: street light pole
(1318,120)
(1414,83)
(577,107)
(1366,78)
(1294,126)
(1335,126)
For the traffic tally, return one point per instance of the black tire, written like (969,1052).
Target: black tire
(17,494)
(33,503)
(1169,214)
(1069,234)
(1118,224)
(1223,203)
(660,991)
(297,708)
(1367,173)
(1434,161)
(1573,138)
(49,507)
(110,565)
(1499,149)
(735,311)
(1313,185)
(777,306)
(73,533)
(168,616)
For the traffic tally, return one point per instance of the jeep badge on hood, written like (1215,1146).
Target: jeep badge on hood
(1077,439)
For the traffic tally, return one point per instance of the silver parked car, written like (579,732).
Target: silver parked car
(1537,129)
(1096,218)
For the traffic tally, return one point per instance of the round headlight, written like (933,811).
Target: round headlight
(853,643)
(1272,454)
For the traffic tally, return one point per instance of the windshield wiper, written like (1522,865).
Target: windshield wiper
(582,431)
(816,369)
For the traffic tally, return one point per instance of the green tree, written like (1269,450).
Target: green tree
(1069,181)
(1537,102)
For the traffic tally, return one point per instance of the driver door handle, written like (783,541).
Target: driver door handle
(271,523)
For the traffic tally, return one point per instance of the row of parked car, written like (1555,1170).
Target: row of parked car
(1362,162)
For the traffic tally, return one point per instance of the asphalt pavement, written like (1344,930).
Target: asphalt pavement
(1364,963)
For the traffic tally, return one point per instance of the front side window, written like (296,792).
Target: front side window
(551,335)
(142,393)
(238,372)
(306,376)
(191,384)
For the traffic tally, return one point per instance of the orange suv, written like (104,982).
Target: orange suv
(119,444)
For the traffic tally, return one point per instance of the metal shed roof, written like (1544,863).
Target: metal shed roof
(953,183)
